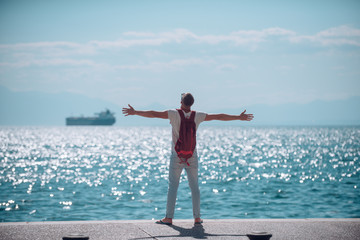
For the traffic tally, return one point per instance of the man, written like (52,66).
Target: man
(177,164)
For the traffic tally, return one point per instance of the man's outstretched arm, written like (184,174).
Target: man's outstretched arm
(148,114)
(225,117)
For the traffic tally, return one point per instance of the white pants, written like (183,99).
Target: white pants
(175,169)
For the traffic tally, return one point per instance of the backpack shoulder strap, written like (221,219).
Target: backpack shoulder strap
(192,116)
(182,116)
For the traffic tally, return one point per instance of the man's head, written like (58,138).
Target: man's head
(187,99)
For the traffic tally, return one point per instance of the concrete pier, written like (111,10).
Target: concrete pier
(281,229)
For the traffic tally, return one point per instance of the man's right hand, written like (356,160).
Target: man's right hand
(128,111)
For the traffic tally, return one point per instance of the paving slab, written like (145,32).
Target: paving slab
(281,229)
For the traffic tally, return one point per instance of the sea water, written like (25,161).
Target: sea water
(112,173)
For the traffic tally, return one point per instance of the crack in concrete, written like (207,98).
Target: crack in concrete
(146,233)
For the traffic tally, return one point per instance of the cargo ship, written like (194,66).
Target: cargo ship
(105,118)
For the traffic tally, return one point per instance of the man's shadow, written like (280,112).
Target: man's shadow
(197,231)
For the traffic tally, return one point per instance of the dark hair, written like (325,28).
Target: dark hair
(187,99)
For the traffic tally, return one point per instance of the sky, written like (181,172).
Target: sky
(229,54)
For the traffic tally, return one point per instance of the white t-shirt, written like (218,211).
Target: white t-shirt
(175,121)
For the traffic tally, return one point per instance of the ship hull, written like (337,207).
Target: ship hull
(73,121)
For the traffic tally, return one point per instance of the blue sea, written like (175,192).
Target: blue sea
(118,173)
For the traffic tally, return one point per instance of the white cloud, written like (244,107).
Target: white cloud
(39,45)
(337,36)
(125,43)
(53,49)
(50,62)
(179,35)
(260,36)
(147,39)
(182,35)
(84,54)
(342,31)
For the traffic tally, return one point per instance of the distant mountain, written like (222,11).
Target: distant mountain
(38,108)
(45,109)
(337,112)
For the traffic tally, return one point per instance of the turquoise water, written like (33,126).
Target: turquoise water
(108,173)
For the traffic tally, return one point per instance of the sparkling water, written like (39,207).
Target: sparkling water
(113,173)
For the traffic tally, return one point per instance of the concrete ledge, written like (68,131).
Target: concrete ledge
(184,229)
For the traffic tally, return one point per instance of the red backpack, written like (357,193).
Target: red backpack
(186,143)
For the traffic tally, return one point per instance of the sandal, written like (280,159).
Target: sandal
(199,222)
(162,222)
